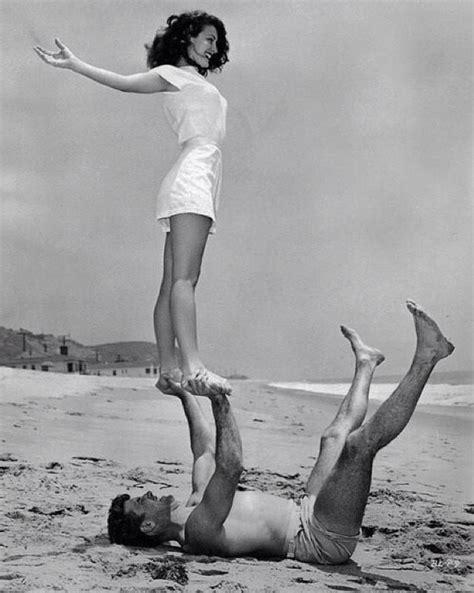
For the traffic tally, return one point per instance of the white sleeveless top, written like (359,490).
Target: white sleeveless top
(196,113)
(197,109)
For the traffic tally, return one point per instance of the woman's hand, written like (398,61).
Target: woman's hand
(64,58)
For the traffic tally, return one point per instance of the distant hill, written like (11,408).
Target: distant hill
(24,343)
(15,344)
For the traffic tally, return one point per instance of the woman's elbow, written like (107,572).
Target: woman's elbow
(125,87)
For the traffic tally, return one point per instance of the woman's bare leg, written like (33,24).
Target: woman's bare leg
(351,412)
(188,236)
(163,324)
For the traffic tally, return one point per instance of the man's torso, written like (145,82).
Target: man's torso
(257,524)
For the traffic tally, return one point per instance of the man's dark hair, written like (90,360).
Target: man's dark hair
(171,43)
(125,528)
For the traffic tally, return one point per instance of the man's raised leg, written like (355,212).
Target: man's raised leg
(351,412)
(341,502)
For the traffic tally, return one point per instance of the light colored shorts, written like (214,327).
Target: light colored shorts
(193,184)
(309,541)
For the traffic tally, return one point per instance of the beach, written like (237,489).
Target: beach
(69,444)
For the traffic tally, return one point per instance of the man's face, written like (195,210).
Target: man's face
(143,507)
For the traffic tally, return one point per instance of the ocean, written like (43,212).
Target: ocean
(442,394)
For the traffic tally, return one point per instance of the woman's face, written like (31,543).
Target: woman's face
(202,47)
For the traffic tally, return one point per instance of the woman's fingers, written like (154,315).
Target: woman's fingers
(64,52)
(39,49)
(41,54)
(46,57)
(58,58)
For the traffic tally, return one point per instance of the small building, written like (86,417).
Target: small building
(55,363)
(47,366)
(124,369)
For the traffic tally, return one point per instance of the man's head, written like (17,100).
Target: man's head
(141,521)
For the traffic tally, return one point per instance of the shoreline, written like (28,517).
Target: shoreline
(18,383)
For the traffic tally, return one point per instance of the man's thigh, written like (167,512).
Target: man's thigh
(342,497)
(330,448)
(315,543)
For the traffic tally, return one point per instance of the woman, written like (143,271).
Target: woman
(179,59)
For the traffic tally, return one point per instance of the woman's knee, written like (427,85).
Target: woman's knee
(186,272)
(185,281)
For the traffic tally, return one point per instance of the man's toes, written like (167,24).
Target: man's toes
(344,331)
(413,307)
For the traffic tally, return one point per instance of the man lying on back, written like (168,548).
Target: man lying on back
(219,520)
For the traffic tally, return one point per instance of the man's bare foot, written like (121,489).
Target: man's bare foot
(205,382)
(431,345)
(164,383)
(362,351)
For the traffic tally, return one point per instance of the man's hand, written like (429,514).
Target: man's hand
(177,388)
(64,58)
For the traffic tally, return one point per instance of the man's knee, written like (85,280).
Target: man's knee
(357,445)
(334,433)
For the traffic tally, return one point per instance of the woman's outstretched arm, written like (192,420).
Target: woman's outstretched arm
(143,82)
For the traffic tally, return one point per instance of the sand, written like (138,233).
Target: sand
(69,444)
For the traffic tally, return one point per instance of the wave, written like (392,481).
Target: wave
(439,395)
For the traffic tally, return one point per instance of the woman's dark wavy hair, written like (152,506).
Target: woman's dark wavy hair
(171,43)
(125,529)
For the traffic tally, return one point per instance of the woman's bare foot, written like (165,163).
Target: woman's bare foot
(164,383)
(205,382)
(363,353)
(431,345)
(178,391)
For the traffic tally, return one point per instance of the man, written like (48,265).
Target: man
(219,520)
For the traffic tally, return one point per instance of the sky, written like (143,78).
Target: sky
(347,180)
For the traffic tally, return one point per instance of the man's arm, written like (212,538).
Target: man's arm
(202,443)
(204,528)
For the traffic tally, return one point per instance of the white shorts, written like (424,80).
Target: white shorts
(193,184)
(310,541)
